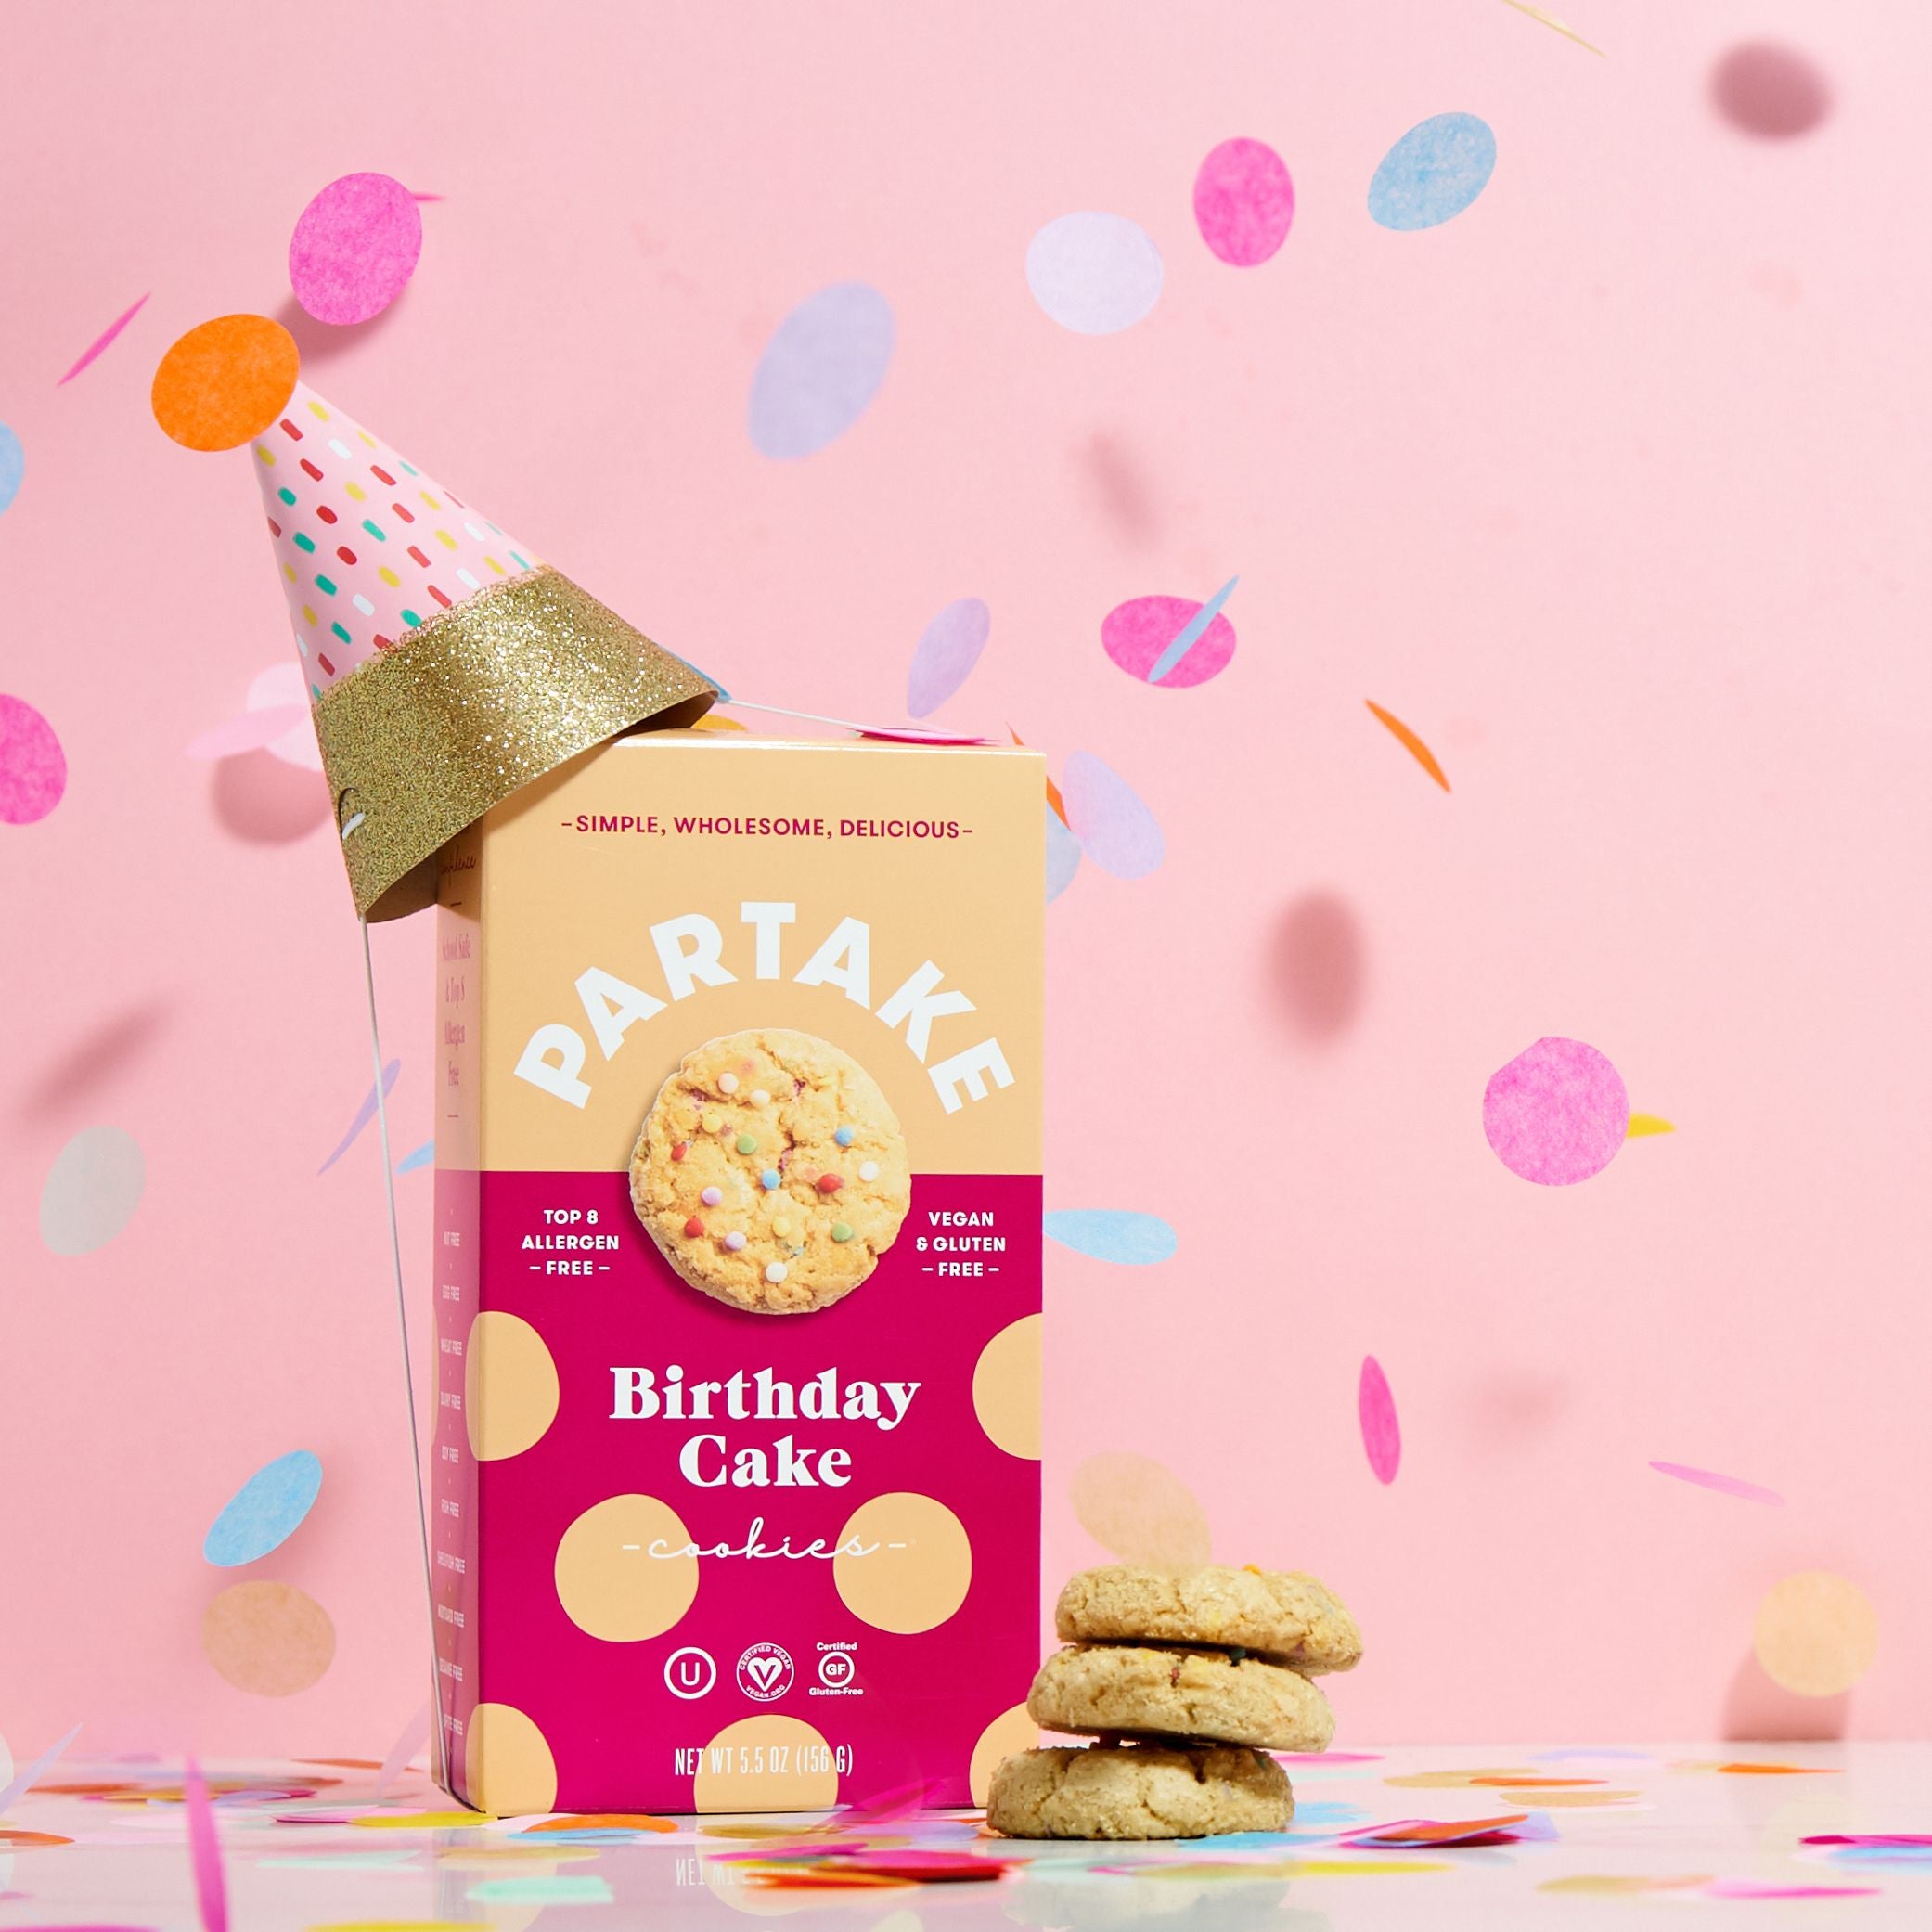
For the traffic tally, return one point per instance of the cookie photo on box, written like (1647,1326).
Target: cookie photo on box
(771,1172)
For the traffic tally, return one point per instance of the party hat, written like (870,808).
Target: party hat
(447,665)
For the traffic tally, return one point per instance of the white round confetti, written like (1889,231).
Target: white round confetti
(1094,273)
(760,1098)
(868,1170)
(728,1082)
(734,1241)
(284,684)
(775,1271)
(90,1191)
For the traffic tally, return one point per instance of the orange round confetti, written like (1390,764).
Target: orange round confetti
(1816,1634)
(225,382)
(267,1638)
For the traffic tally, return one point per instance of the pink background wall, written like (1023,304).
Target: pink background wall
(1614,488)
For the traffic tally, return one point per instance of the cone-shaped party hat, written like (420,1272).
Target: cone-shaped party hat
(446,664)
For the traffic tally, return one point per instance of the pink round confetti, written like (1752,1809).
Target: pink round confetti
(355,246)
(946,651)
(1382,1433)
(33,765)
(1244,202)
(1557,1113)
(1136,633)
(1115,829)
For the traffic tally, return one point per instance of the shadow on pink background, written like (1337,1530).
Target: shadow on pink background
(1611,488)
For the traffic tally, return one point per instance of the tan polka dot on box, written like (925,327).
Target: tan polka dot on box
(738,1264)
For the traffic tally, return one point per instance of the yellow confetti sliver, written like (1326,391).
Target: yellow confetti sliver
(1537,1799)
(424,1820)
(1416,748)
(1609,1882)
(1452,1780)
(1642,1124)
(1550,21)
(397,1926)
(1286,1868)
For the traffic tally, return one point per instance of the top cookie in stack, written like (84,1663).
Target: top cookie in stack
(1186,1663)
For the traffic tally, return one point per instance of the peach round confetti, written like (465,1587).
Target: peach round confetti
(1557,1113)
(1816,1633)
(225,382)
(268,1639)
(1139,1509)
(355,248)
(33,765)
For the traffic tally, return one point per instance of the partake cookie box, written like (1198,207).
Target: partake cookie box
(781,1000)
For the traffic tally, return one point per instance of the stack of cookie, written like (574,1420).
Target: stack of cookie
(1189,1679)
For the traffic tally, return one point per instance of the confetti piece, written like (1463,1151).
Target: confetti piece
(90,1191)
(1455,1780)
(1433,173)
(1642,1124)
(1106,815)
(355,248)
(282,683)
(1062,854)
(1112,1234)
(25,1780)
(1415,747)
(424,1820)
(931,1867)
(13,464)
(1550,21)
(33,765)
(1610,1883)
(820,370)
(1757,1888)
(1439,1834)
(1139,1509)
(1775,1771)
(1382,1433)
(225,382)
(1816,1633)
(884,1807)
(1771,91)
(266,1510)
(204,1851)
(1556,1113)
(364,1114)
(1724,1485)
(603,1821)
(1244,202)
(1171,641)
(417,1157)
(543,1888)
(249,732)
(12,1839)
(103,340)
(944,655)
(397,1926)
(268,1639)
(1094,273)
(1055,803)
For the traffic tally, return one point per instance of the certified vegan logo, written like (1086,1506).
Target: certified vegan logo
(764,1673)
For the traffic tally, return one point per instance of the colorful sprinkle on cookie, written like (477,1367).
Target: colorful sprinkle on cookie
(728,1082)
(831,1183)
(678,1153)
(713,1121)
(844,1136)
(781,1227)
(748,1143)
(868,1170)
(693,1228)
(712,1197)
(774,1273)
(839,1231)
(760,1098)
(734,1241)
(770,1178)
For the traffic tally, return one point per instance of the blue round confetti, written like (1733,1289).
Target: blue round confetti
(1112,1234)
(1433,173)
(266,1510)
(13,461)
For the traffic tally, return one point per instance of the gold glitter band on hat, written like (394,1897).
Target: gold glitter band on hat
(485,697)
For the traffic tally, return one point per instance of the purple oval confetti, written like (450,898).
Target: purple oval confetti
(1382,1433)
(33,765)
(945,653)
(1062,854)
(364,1114)
(822,368)
(1141,634)
(1106,815)
(1723,1485)
(355,248)
(1556,1113)
(1244,202)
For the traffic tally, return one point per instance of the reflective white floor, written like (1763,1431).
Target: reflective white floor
(1651,1835)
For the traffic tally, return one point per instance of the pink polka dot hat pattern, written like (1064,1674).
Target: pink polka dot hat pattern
(369,548)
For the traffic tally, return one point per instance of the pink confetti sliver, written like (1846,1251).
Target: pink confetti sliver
(33,765)
(1115,829)
(1137,634)
(1382,1433)
(251,731)
(1723,1485)
(204,1851)
(355,246)
(1244,202)
(1556,1113)
(102,341)
(1758,1888)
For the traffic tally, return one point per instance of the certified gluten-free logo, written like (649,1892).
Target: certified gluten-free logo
(764,1673)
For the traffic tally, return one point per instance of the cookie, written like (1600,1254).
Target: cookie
(1187,1694)
(1281,1615)
(1137,1791)
(771,1172)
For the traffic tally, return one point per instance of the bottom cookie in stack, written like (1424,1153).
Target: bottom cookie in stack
(1188,1678)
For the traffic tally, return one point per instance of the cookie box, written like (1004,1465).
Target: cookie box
(737,1276)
